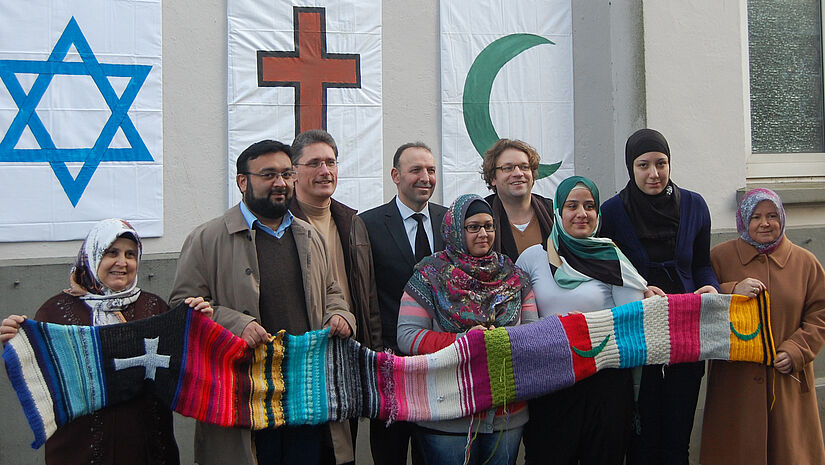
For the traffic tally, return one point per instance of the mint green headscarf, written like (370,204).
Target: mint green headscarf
(592,257)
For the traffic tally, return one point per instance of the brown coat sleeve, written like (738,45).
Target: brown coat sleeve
(194,277)
(806,342)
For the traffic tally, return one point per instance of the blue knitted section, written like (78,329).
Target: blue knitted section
(305,396)
(75,352)
(15,372)
(629,325)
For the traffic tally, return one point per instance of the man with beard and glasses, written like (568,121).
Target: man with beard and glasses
(262,270)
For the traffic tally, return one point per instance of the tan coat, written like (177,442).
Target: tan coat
(739,425)
(218,261)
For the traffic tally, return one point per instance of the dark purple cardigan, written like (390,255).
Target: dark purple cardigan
(692,255)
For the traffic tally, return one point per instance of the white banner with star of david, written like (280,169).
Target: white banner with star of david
(506,72)
(308,64)
(80,117)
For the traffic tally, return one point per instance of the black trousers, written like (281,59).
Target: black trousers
(588,423)
(667,405)
(290,444)
(389,445)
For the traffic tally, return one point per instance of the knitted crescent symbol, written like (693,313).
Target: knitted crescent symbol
(746,337)
(592,352)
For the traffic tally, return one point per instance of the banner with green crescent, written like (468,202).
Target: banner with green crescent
(506,72)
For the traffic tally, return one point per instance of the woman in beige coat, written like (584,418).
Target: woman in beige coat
(768,415)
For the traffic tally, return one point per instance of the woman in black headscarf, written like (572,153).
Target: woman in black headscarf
(665,232)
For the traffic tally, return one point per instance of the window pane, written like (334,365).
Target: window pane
(785,41)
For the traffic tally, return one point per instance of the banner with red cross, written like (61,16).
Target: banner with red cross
(299,65)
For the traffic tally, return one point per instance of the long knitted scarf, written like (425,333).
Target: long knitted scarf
(203,371)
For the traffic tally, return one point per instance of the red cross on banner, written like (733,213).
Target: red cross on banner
(309,69)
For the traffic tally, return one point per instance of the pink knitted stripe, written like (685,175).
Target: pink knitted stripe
(481,392)
(683,318)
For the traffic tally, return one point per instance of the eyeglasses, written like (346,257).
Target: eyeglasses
(315,164)
(507,169)
(271,176)
(475,227)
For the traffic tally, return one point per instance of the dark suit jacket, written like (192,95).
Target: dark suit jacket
(393,259)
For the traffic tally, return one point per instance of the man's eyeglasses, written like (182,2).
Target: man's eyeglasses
(507,169)
(475,227)
(270,176)
(315,164)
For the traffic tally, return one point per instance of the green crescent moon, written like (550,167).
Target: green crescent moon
(479,85)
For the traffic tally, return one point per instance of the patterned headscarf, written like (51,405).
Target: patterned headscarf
(461,290)
(745,210)
(592,257)
(102,300)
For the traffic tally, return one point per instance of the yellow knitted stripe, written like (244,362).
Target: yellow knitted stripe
(266,364)
(746,343)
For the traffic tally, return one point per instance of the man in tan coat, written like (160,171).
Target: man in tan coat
(263,270)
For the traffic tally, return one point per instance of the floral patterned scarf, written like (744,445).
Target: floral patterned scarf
(461,290)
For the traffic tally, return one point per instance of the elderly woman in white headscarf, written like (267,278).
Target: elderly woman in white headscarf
(102,291)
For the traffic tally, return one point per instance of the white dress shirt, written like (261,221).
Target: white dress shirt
(411,226)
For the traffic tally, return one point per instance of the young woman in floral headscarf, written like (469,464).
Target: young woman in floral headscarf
(464,288)
(102,291)
(756,414)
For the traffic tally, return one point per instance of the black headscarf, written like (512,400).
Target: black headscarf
(655,218)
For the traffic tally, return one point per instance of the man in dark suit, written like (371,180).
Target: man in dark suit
(402,231)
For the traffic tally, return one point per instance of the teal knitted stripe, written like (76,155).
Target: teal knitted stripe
(305,397)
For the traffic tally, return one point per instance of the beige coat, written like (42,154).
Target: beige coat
(740,427)
(218,261)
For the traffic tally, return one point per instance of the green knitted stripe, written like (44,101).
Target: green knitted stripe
(500,366)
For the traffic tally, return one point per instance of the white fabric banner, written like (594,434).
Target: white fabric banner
(80,117)
(309,65)
(506,72)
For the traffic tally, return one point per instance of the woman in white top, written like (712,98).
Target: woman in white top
(588,423)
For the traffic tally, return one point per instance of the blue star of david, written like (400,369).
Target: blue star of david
(27,116)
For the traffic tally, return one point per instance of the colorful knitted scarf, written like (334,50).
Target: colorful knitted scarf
(461,290)
(592,257)
(203,371)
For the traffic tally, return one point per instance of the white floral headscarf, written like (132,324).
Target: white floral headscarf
(103,301)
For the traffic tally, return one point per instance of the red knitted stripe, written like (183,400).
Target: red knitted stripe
(683,319)
(579,336)
(221,410)
(201,397)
